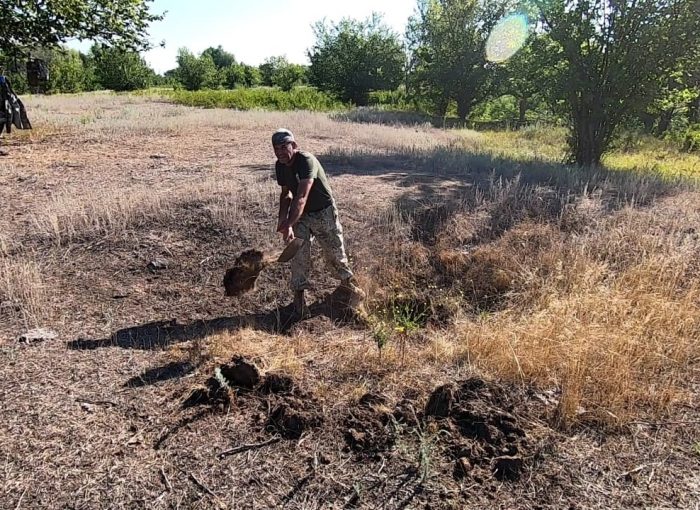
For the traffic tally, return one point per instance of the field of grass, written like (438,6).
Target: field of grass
(644,153)
(571,296)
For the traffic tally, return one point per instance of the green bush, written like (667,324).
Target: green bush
(691,141)
(390,99)
(300,98)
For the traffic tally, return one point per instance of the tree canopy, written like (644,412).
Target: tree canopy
(28,24)
(353,57)
(448,59)
(615,55)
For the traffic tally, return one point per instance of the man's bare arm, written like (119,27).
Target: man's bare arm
(299,202)
(285,203)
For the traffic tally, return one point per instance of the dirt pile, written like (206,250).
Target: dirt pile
(289,410)
(486,434)
(369,428)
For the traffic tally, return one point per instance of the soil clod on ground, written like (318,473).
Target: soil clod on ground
(295,415)
(277,383)
(368,427)
(240,374)
(482,427)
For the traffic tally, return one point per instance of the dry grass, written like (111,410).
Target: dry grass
(101,213)
(22,291)
(108,213)
(608,311)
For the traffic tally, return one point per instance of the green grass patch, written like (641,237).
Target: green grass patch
(638,152)
(263,98)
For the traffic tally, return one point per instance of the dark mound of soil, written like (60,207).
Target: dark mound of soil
(277,383)
(294,415)
(484,431)
(240,373)
(368,426)
(242,276)
(213,394)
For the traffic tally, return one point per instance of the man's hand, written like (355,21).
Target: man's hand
(286,230)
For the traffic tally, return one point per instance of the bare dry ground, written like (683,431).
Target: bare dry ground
(530,337)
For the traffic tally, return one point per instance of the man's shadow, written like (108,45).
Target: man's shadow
(279,320)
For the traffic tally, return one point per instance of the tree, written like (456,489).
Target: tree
(29,24)
(289,76)
(279,72)
(222,59)
(253,78)
(120,70)
(529,72)
(353,57)
(66,71)
(195,73)
(447,39)
(615,55)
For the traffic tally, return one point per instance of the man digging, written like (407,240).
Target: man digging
(308,211)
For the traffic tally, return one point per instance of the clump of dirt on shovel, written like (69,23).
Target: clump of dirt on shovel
(242,276)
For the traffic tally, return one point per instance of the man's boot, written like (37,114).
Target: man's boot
(352,293)
(300,308)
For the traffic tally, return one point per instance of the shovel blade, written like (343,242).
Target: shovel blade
(291,250)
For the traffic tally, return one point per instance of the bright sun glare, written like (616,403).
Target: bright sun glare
(507,37)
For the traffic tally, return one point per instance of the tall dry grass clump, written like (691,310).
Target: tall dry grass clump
(67,218)
(610,315)
(22,291)
(111,212)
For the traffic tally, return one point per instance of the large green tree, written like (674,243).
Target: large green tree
(447,39)
(616,54)
(279,72)
(352,58)
(120,70)
(29,24)
(195,73)
(221,57)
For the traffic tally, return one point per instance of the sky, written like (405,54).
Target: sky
(254,30)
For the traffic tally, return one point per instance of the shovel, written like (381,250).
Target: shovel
(242,276)
(289,251)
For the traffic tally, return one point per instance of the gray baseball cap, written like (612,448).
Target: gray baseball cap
(282,136)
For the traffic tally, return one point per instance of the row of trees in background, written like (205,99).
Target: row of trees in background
(216,68)
(113,68)
(597,64)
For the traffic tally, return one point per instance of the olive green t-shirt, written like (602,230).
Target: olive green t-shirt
(306,166)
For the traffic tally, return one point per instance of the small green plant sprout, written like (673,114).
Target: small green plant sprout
(407,319)
(381,336)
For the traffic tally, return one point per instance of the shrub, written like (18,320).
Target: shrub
(300,98)
(691,140)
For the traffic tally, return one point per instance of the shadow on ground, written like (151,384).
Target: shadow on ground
(445,179)
(160,334)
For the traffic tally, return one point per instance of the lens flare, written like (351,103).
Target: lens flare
(507,37)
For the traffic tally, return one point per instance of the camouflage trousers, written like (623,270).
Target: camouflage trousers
(323,226)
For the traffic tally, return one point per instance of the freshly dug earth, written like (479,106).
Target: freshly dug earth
(483,429)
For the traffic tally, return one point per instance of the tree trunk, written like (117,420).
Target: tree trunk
(664,121)
(441,106)
(464,106)
(648,121)
(694,111)
(591,129)
(522,110)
